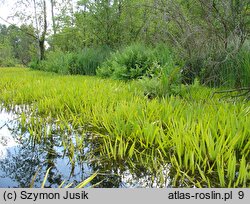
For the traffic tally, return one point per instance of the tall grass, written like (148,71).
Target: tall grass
(87,61)
(235,72)
(205,142)
(84,62)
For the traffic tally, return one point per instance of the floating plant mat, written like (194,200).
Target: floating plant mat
(21,157)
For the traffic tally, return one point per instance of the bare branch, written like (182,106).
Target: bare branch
(24,31)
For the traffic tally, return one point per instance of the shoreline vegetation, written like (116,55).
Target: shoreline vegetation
(203,141)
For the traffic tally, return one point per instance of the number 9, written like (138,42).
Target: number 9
(241,194)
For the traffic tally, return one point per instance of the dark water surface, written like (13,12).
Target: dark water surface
(21,158)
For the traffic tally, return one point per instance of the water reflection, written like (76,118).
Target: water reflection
(6,139)
(21,157)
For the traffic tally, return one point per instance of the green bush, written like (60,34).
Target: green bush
(9,62)
(166,81)
(7,58)
(165,55)
(34,64)
(134,61)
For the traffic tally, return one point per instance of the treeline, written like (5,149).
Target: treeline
(171,41)
(16,46)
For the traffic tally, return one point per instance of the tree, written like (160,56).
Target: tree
(52,3)
(6,50)
(24,47)
(16,45)
(38,17)
(41,26)
(207,33)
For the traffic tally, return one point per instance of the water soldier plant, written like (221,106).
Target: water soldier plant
(80,185)
(200,141)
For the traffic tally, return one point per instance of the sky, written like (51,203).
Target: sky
(5,9)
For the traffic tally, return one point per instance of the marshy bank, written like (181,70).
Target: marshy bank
(79,125)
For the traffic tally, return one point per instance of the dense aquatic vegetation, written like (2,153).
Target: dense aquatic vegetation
(203,141)
(63,184)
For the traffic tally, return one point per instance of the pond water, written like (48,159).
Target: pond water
(21,158)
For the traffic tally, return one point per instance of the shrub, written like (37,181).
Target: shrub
(34,64)
(166,81)
(129,63)
(6,55)
(164,55)
(9,62)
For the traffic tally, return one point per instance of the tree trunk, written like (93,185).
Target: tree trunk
(53,16)
(42,39)
(42,49)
